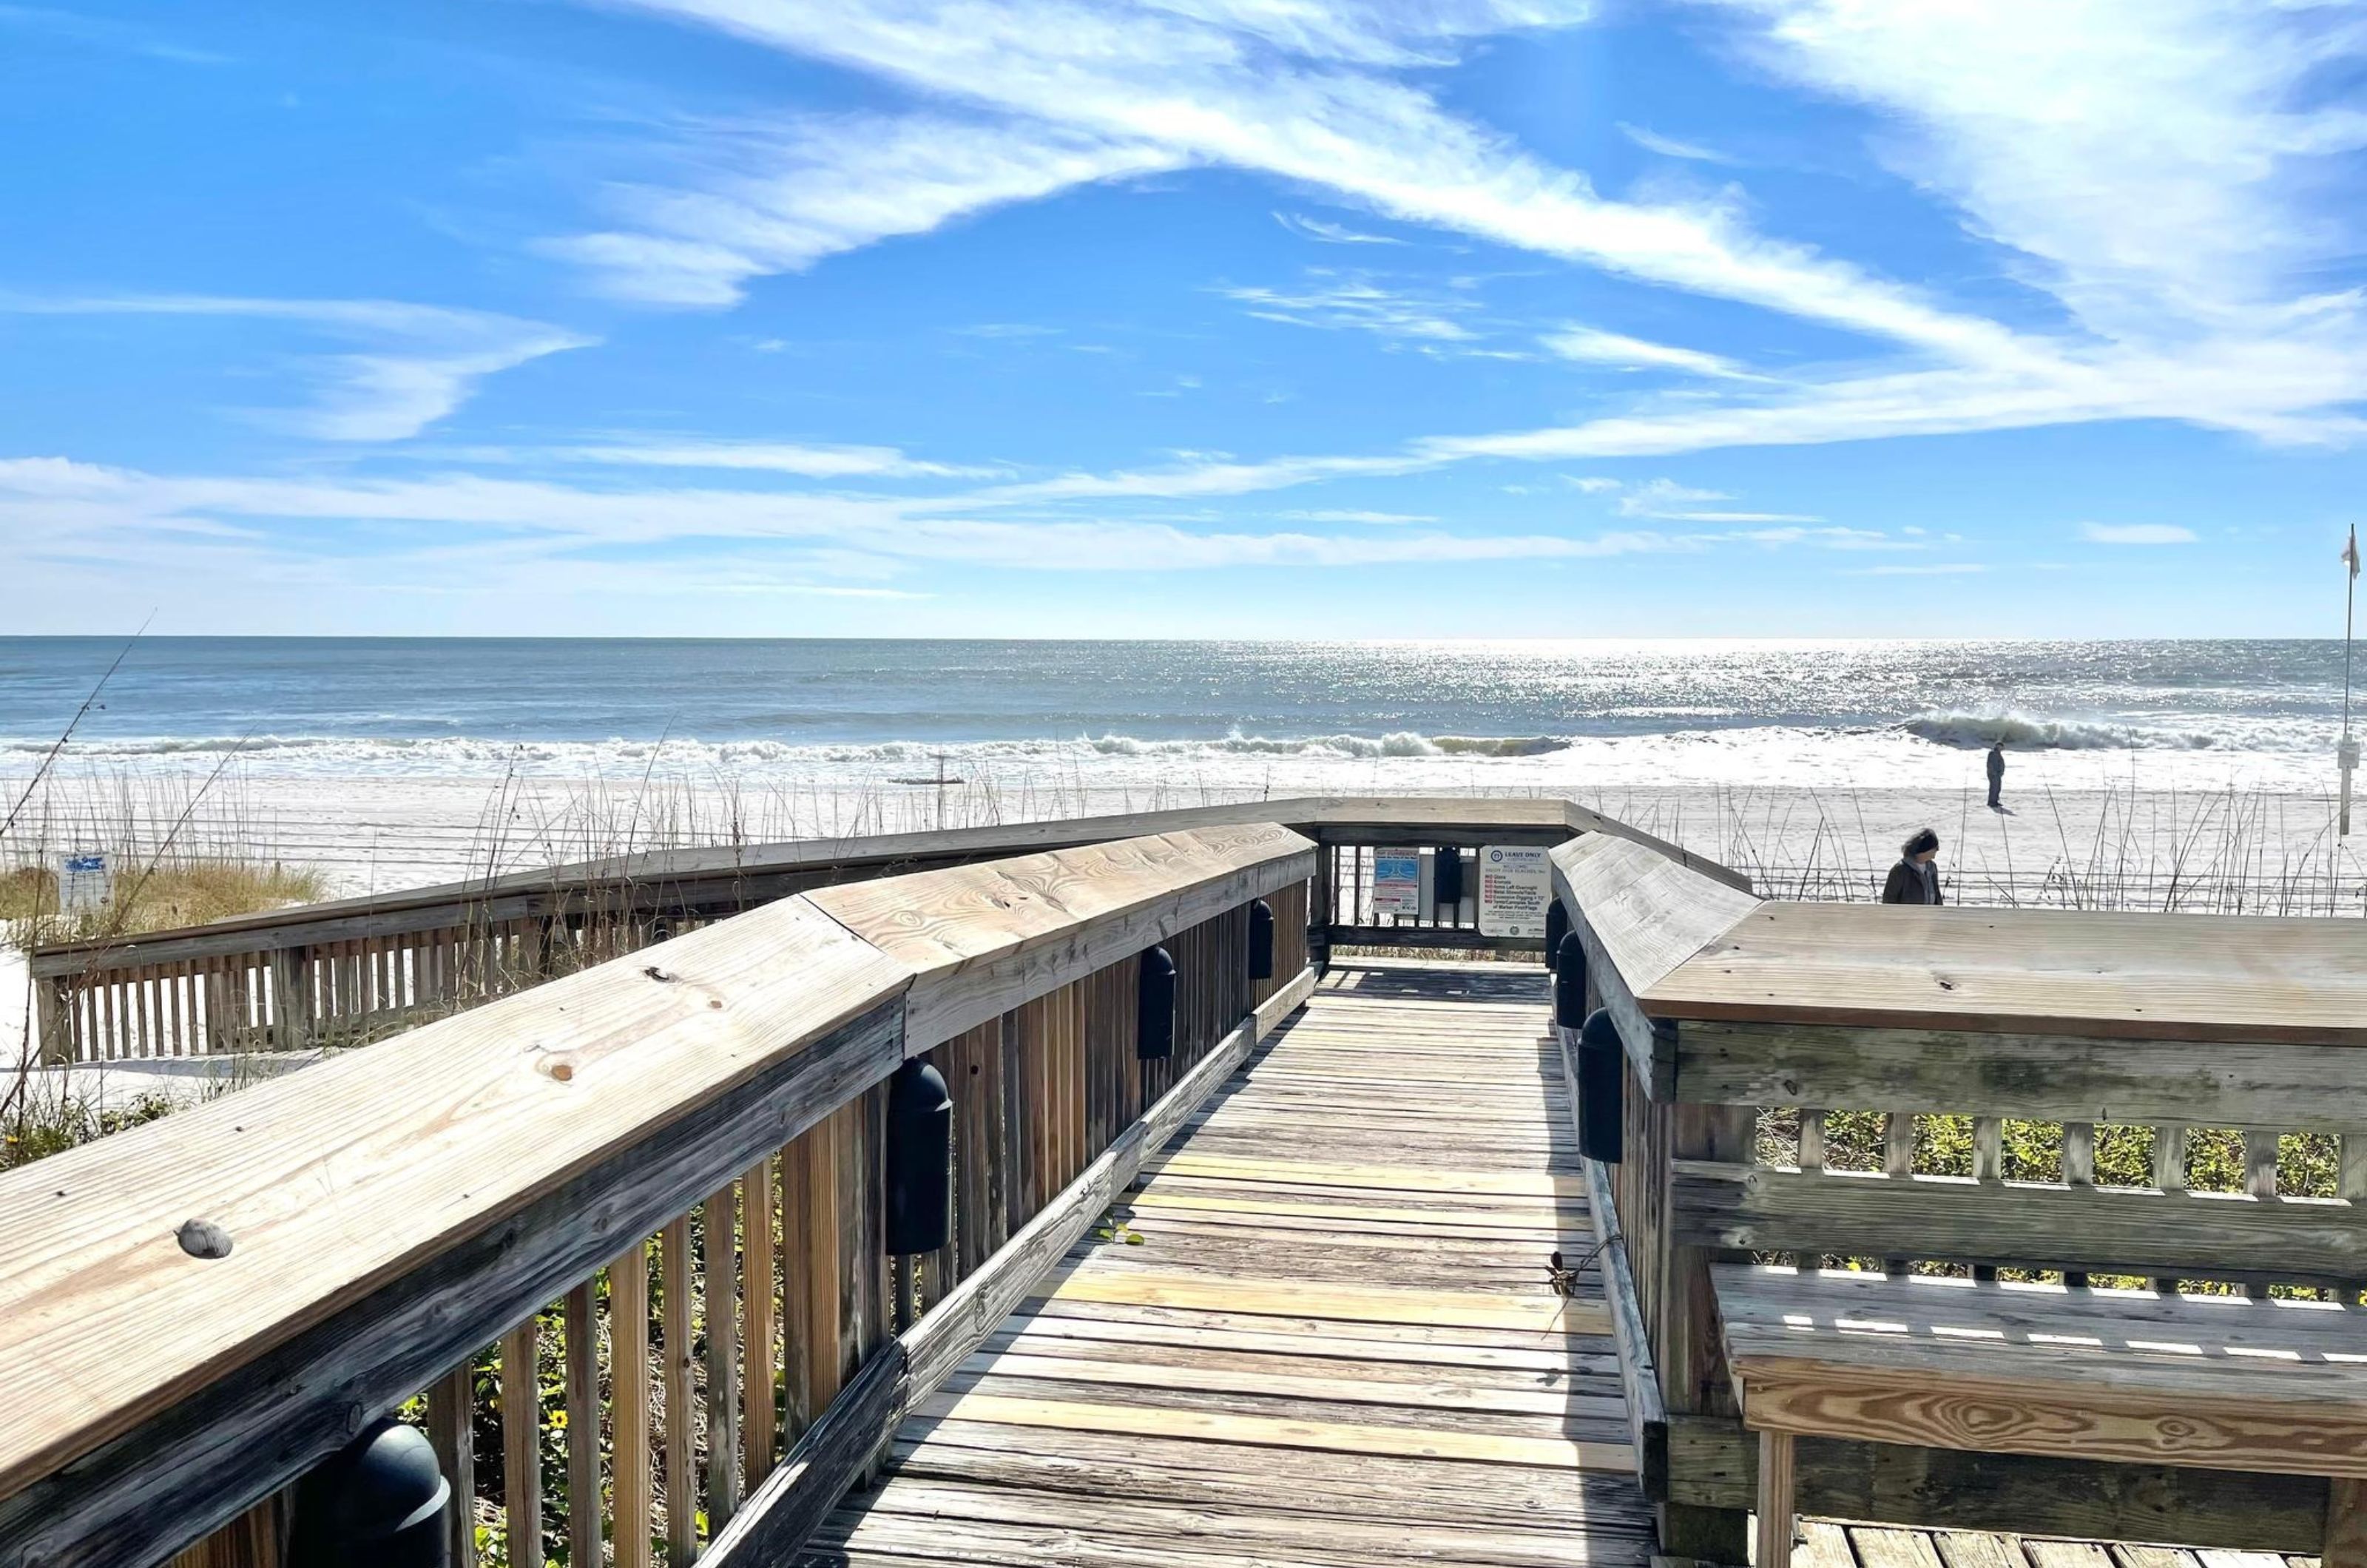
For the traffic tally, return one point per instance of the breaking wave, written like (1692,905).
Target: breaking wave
(2020,731)
(397,755)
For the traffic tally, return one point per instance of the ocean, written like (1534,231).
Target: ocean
(2260,714)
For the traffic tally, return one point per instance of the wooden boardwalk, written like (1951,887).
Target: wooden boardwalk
(1323,1331)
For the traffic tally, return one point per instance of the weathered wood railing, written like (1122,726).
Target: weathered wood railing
(2187,1098)
(359,969)
(674,1155)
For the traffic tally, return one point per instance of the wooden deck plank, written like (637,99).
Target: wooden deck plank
(1335,1343)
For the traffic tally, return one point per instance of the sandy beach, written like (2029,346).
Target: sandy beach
(2077,813)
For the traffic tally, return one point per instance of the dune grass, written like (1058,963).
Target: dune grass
(177,893)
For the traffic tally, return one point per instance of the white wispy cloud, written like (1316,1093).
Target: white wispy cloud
(413,365)
(2162,160)
(758,199)
(1352,515)
(2136,533)
(1330,233)
(1671,147)
(2163,169)
(809,460)
(57,508)
(1921,569)
(1591,346)
(1334,300)
(1671,502)
(1303,93)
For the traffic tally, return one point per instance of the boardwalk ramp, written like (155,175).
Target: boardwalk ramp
(1323,1329)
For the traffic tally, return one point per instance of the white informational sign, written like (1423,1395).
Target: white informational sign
(1397,882)
(1515,885)
(84,887)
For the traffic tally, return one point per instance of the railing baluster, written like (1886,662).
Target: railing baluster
(796,1261)
(818,1267)
(757,1422)
(681,1421)
(582,1328)
(722,1316)
(451,1430)
(1988,1165)
(521,1447)
(2259,1180)
(2079,1170)
(1898,1164)
(629,1404)
(2169,1175)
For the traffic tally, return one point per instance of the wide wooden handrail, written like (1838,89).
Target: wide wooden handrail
(1677,946)
(233,1289)
(1763,1039)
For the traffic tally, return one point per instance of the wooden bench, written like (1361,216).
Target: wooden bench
(2220,1383)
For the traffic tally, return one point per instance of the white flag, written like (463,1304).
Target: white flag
(2350,553)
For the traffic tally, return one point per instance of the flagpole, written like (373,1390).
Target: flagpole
(2347,754)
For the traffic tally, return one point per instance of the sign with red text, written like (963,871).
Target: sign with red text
(1515,885)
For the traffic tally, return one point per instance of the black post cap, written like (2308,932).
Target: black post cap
(1601,1088)
(920,1160)
(379,1502)
(1154,1039)
(1569,982)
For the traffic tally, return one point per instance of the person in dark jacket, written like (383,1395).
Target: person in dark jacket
(1915,880)
(1997,774)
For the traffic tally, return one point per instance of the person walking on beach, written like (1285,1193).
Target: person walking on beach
(1915,880)
(1997,774)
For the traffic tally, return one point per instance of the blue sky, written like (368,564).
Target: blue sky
(1181,317)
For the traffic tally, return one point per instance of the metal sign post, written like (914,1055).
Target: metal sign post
(941,781)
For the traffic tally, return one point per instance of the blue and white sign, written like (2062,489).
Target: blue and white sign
(1515,885)
(84,884)
(1397,882)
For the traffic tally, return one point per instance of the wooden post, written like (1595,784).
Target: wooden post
(817,1266)
(1988,1165)
(1775,1488)
(521,1446)
(628,1402)
(1018,1138)
(1000,1047)
(2169,1176)
(797,1252)
(1898,1164)
(1693,1369)
(722,1269)
(2079,1170)
(582,1426)
(681,1484)
(449,1429)
(291,997)
(1320,917)
(2259,1180)
(757,1423)
(53,1005)
(250,1541)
